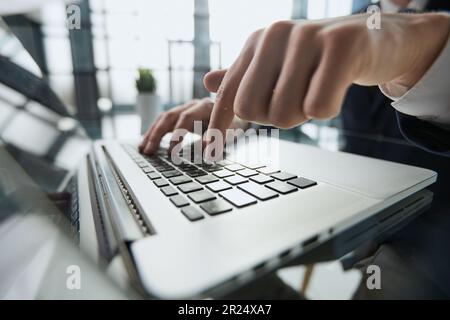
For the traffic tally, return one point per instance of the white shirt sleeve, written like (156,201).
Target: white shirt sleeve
(429,99)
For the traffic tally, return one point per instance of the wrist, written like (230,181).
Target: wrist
(432,34)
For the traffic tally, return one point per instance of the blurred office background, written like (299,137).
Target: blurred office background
(93,69)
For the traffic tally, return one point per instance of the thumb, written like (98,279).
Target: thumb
(213,79)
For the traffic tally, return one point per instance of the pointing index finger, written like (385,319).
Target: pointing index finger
(222,114)
(221,117)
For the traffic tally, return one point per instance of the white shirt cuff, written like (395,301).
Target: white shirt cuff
(429,99)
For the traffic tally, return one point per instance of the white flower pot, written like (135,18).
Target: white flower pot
(148,107)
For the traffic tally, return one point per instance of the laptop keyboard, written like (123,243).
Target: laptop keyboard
(212,189)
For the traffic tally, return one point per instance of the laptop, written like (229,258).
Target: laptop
(190,229)
(197,229)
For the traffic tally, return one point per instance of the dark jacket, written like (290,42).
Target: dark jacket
(401,138)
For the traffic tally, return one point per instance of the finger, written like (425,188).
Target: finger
(146,143)
(146,135)
(256,88)
(213,79)
(187,120)
(286,110)
(161,126)
(176,110)
(222,114)
(329,83)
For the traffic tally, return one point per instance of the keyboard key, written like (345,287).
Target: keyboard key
(281,187)
(201,196)
(188,167)
(176,161)
(283,176)
(169,191)
(212,168)
(268,170)
(261,179)
(192,213)
(224,162)
(190,187)
(163,168)
(247,173)
(235,180)
(216,207)
(172,173)
(302,183)
(204,164)
(235,167)
(156,164)
(253,166)
(147,170)
(179,201)
(218,186)
(238,198)
(196,173)
(160,183)
(259,191)
(207,179)
(180,180)
(155,161)
(223,173)
(142,164)
(154,175)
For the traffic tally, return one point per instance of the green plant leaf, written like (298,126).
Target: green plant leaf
(145,82)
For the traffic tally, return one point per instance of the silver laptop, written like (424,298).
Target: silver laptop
(189,229)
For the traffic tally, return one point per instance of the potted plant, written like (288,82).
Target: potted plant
(148,104)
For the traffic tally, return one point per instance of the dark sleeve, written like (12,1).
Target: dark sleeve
(424,134)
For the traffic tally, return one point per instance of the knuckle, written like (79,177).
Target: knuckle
(252,41)
(185,118)
(243,111)
(225,92)
(278,28)
(336,37)
(207,103)
(170,116)
(166,115)
(191,102)
(254,36)
(305,30)
(158,131)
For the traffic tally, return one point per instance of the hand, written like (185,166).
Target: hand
(181,117)
(295,71)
